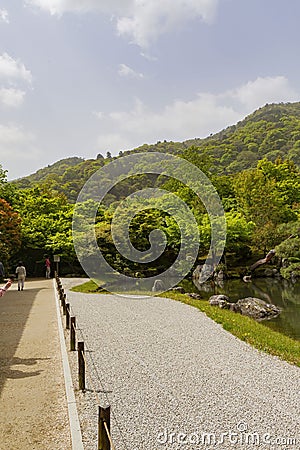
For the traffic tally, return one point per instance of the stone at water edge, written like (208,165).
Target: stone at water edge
(219,300)
(250,306)
(257,308)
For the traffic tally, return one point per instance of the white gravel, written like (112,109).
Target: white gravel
(164,368)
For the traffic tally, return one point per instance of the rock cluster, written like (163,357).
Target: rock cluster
(250,306)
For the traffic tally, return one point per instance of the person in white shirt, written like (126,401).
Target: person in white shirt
(21,273)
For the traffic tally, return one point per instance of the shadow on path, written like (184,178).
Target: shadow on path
(15,308)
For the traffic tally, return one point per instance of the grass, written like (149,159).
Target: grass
(89,287)
(247,329)
(244,328)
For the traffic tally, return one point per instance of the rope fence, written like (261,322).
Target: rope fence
(105,441)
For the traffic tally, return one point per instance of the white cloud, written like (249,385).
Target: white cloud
(112,142)
(264,90)
(148,56)
(206,113)
(150,19)
(143,21)
(11,135)
(98,114)
(11,97)
(4,16)
(125,71)
(12,72)
(59,7)
(11,69)
(18,150)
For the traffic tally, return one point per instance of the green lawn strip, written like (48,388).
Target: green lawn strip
(247,329)
(89,287)
(244,328)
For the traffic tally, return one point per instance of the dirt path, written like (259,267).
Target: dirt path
(33,407)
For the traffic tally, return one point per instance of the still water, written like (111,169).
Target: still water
(281,293)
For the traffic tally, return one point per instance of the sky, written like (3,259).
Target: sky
(82,77)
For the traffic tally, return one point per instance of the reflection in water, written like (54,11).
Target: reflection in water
(281,293)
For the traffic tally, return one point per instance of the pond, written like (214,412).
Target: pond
(281,293)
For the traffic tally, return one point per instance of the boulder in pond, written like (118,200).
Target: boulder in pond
(257,308)
(222,301)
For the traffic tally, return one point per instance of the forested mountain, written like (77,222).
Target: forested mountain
(254,166)
(58,168)
(272,131)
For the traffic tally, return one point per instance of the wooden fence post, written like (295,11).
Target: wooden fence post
(64,304)
(103,416)
(72,334)
(67,316)
(81,366)
(61,296)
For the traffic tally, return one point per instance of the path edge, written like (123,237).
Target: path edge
(74,423)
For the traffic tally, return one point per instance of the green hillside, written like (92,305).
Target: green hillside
(58,168)
(254,166)
(271,132)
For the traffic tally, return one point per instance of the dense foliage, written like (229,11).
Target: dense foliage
(253,165)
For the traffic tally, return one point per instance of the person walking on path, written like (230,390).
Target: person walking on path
(21,274)
(48,267)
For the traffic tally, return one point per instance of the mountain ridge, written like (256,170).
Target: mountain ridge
(272,132)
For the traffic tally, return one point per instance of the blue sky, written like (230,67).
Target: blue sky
(82,77)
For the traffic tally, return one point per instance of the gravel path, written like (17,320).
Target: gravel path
(167,368)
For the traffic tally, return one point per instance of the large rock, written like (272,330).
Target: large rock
(202,272)
(256,308)
(222,301)
(252,307)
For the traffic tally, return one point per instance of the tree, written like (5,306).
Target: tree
(10,231)
(46,225)
(268,196)
(239,233)
(2,177)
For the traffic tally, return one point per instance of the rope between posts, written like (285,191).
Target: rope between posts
(91,378)
(109,436)
(100,383)
(97,399)
(96,395)
(78,328)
